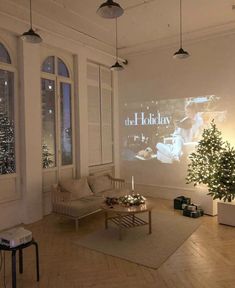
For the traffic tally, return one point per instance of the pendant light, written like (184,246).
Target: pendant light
(181,53)
(31,36)
(117,66)
(110,9)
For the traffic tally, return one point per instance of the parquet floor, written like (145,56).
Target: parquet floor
(205,260)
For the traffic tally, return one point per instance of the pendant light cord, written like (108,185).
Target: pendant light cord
(31,20)
(180,23)
(116,41)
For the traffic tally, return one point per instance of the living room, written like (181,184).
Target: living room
(72,117)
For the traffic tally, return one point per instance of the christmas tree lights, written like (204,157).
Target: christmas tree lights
(213,164)
(47,161)
(7,145)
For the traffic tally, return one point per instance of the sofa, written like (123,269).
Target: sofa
(78,198)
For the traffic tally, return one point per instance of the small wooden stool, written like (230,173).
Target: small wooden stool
(13,259)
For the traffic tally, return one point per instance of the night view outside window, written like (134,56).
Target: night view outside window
(66,123)
(7,130)
(48,123)
(62,69)
(49,65)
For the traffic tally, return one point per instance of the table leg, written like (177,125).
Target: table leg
(106,220)
(150,222)
(13,264)
(20,261)
(37,260)
(120,227)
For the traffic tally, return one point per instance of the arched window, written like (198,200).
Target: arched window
(57,149)
(7,119)
(4,55)
(62,69)
(48,65)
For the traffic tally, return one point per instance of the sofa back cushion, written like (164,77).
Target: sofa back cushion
(99,183)
(77,187)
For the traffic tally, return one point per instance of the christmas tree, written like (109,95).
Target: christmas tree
(7,145)
(213,164)
(47,161)
(224,184)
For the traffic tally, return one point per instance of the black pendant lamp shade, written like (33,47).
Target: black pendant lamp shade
(181,53)
(116,66)
(110,9)
(31,36)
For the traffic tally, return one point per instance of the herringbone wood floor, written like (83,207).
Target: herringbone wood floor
(206,259)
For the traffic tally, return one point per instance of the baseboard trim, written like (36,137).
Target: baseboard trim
(198,195)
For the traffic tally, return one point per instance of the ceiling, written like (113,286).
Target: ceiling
(144,25)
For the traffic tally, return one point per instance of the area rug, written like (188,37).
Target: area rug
(169,231)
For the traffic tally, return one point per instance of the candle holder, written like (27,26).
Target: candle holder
(132,192)
(132,186)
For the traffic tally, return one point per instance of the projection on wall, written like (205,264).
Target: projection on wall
(166,131)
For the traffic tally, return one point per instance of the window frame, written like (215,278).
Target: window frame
(60,79)
(12,68)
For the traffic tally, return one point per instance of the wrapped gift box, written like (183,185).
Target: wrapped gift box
(181,200)
(193,214)
(191,207)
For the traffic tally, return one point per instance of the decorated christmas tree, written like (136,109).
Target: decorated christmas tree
(7,145)
(47,161)
(224,184)
(213,164)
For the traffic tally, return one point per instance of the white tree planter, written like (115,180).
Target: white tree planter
(226,213)
(199,196)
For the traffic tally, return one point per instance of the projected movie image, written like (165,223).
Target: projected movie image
(167,131)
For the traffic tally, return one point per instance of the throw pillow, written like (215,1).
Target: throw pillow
(78,187)
(99,183)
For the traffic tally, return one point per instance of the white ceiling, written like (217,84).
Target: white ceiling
(145,24)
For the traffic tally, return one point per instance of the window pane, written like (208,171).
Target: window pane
(62,68)
(4,56)
(66,123)
(48,65)
(7,137)
(48,123)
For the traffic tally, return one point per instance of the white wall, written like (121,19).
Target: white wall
(209,69)
(156,75)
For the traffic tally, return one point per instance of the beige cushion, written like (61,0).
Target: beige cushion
(99,183)
(115,192)
(78,187)
(80,207)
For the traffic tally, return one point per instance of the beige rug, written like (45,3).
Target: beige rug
(169,231)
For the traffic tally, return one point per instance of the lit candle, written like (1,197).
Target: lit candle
(132,183)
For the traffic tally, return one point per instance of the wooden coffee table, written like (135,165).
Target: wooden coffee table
(125,216)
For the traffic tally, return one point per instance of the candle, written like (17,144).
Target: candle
(132,183)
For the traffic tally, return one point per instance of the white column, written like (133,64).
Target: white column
(81,114)
(30,132)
